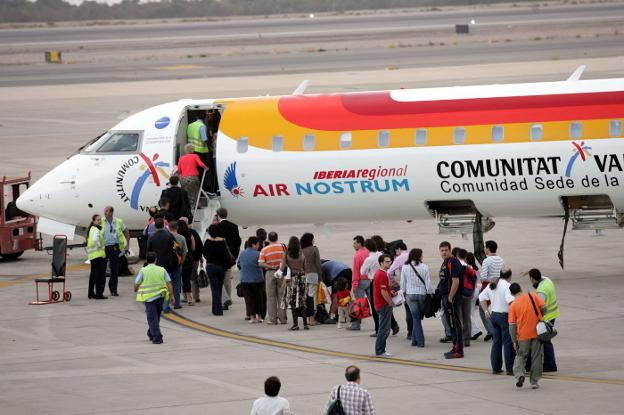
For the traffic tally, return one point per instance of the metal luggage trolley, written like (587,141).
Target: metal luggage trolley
(59,263)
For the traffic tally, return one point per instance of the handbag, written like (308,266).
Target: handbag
(202,276)
(239,290)
(398,299)
(432,305)
(229,258)
(335,408)
(545,329)
(359,308)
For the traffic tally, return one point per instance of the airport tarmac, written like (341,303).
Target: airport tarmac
(92,357)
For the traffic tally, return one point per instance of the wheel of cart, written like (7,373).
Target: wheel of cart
(57,276)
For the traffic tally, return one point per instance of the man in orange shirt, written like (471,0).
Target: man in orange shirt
(270,260)
(523,318)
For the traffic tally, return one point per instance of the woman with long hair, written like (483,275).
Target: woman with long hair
(97,258)
(313,272)
(416,284)
(295,293)
(187,266)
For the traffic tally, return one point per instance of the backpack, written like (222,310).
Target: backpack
(469,281)
(335,408)
(359,308)
(175,255)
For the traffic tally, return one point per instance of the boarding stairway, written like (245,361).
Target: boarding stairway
(204,210)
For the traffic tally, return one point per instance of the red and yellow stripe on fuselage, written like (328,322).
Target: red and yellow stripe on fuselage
(365,114)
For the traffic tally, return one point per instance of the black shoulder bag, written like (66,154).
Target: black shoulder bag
(430,308)
(336,407)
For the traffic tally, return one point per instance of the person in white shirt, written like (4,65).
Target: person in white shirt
(416,284)
(500,298)
(490,272)
(271,404)
(394,274)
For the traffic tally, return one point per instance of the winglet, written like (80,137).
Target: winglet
(301,88)
(577,74)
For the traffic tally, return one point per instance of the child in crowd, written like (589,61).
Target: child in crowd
(343,296)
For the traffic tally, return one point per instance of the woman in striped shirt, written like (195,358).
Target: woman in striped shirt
(416,284)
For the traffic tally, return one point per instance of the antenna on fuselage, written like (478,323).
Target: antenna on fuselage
(301,88)
(577,74)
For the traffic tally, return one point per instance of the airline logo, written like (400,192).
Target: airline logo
(231,183)
(579,150)
(135,173)
(350,181)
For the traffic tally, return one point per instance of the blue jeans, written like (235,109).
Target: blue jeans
(385,318)
(416,304)
(176,281)
(501,343)
(487,324)
(360,293)
(408,319)
(153,310)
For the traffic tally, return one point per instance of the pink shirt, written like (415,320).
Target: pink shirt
(358,260)
(187,165)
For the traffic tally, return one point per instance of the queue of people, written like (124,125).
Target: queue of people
(277,277)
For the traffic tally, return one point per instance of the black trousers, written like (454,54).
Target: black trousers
(187,270)
(97,277)
(252,292)
(452,313)
(210,181)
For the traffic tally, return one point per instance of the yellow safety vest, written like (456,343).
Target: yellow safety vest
(547,287)
(95,251)
(153,283)
(193,136)
(120,236)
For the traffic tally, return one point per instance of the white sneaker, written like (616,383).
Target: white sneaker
(385,354)
(535,386)
(338,326)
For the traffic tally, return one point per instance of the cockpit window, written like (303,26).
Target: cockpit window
(120,143)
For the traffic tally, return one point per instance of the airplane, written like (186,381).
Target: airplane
(461,155)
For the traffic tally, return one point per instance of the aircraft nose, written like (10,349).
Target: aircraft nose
(32,200)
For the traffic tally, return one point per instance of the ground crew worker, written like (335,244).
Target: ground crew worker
(546,290)
(524,313)
(197,135)
(115,236)
(97,258)
(153,287)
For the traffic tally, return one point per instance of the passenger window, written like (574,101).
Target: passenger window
(383,139)
(120,143)
(576,130)
(498,133)
(345,140)
(421,137)
(308,142)
(615,128)
(242,145)
(536,132)
(278,143)
(459,135)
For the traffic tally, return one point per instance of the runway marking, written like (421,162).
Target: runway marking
(177,67)
(26,278)
(186,322)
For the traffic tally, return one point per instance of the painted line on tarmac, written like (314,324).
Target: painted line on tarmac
(186,322)
(26,278)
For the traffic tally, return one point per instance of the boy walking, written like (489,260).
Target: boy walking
(153,287)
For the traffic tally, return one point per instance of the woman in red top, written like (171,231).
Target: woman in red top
(189,175)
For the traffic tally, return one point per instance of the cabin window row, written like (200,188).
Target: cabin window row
(420,136)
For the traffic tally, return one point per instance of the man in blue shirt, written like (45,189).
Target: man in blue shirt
(449,289)
(115,237)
